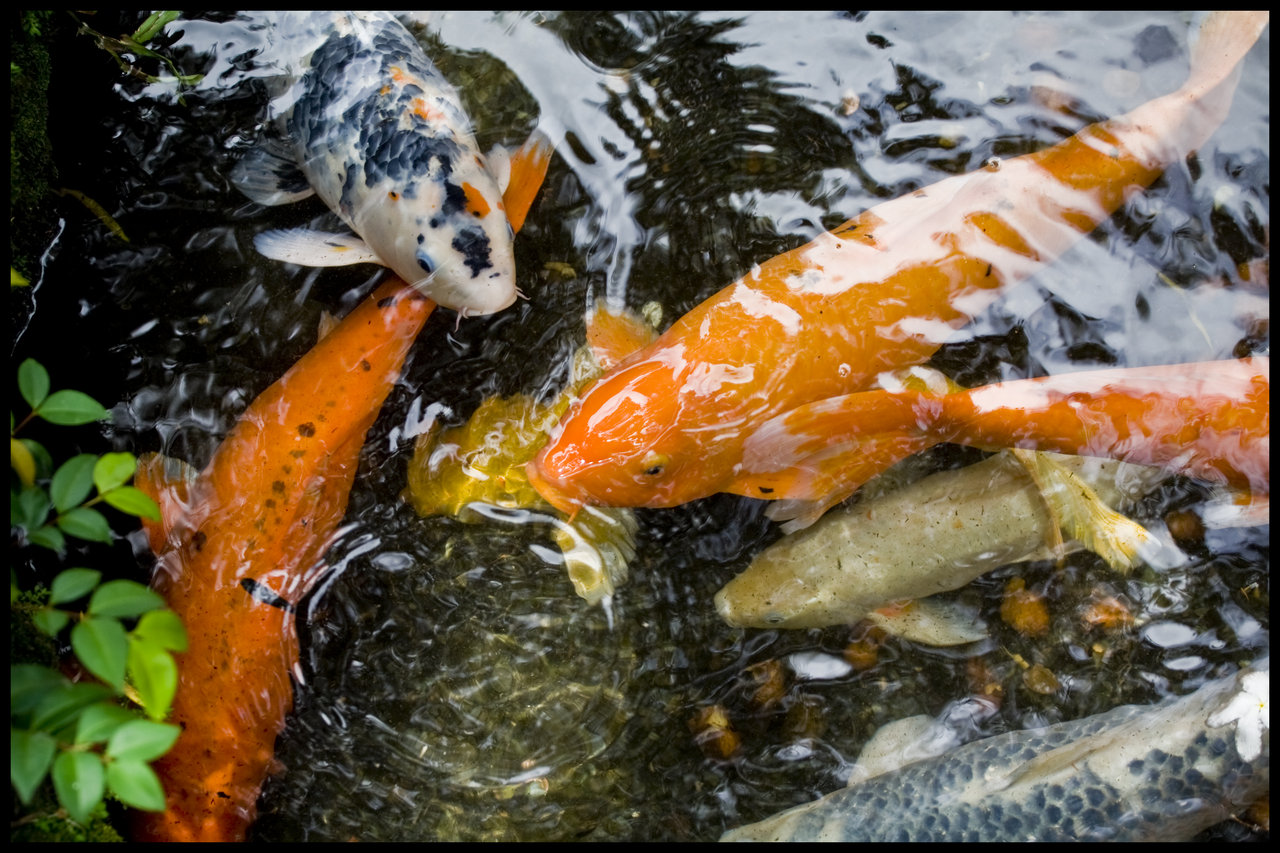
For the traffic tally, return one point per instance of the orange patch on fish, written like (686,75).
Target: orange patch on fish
(476,203)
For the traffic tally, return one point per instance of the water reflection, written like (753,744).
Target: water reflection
(455,687)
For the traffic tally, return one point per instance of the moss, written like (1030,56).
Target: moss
(31,167)
(51,825)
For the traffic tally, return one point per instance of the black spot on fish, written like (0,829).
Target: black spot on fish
(306,430)
(765,490)
(198,540)
(473,245)
(366,366)
(265,594)
(988,270)
(297,454)
(386,302)
(224,795)
(269,503)
(277,486)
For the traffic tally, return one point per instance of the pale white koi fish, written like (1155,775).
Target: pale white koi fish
(365,121)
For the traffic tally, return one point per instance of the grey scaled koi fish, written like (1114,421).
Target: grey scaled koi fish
(365,121)
(1160,772)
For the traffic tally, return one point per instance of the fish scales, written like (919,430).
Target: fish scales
(1101,778)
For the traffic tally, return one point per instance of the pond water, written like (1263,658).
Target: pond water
(455,687)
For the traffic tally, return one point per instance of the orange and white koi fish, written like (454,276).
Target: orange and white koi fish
(1209,420)
(240,545)
(882,291)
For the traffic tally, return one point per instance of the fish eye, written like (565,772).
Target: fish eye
(654,464)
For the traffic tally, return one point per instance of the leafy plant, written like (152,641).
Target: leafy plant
(124,47)
(86,735)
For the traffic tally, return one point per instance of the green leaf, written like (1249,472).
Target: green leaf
(134,501)
(61,706)
(30,509)
(161,628)
(72,584)
(153,673)
(142,740)
(48,537)
(44,462)
(136,785)
(102,644)
(85,523)
(71,408)
(30,754)
(113,469)
(72,482)
(50,621)
(29,683)
(99,722)
(123,598)
(33,382)
(153,25)
(80,781)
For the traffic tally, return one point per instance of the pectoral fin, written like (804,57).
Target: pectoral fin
(269,174)
(615,333)
(933,621)
(522,174)
(168,482)
(314,248)
(816,455)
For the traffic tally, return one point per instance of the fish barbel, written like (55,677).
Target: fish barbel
(366,122)
(882,291)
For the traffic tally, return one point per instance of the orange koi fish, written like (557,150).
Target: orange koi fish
(239,546)
(882,291)
(1210,420)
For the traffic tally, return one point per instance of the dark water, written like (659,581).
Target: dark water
(456,689)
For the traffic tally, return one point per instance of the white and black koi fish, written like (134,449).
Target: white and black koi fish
(366,122)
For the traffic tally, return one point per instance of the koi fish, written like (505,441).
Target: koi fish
(1210,420)
(368,124)
(239,546)
(1101,778)
(671,423)
(934,535)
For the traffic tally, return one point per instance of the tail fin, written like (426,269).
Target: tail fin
(1222,41)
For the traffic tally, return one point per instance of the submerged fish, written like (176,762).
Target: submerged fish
(882,291)
(240,545)
(1160,772)
(934,535)
(367,123)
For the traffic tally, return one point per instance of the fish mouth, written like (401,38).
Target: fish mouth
(551,492)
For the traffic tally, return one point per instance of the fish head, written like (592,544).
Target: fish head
(447,234)
(637,438)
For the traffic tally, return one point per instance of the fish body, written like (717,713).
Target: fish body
(882,291)
(1209,420)
(931,536)
(1101,778)
(367,123)
(240,545)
